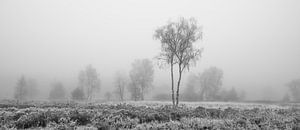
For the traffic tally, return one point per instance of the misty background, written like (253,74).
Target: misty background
(256,43)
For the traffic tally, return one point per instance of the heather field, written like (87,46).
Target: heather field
(148,115)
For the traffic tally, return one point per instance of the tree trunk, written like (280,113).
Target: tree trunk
(142,93)
(172,78)
(178,84)
(122,97)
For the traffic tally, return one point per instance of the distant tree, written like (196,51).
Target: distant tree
(120,83)
(177,47)
(78,94)
(25,89)
(294,87)
(57,91)
(108,96)
(134,90)
(31,89)
(141,76)
(89,80)
(190,92)
(210,83)
(20,90)
(286,98)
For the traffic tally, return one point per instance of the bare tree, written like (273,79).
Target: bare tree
(210,83)
(294,87)
(120,83)
(20,90)
(57,91)
(26,89)
(177,47)
(134,90)
(89,80)
(32,90)
(141,76)
(286,98)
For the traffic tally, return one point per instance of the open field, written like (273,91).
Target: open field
(148,115)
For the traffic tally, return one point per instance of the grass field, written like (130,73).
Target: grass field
(148,115)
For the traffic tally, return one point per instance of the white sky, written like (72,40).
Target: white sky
(256,43)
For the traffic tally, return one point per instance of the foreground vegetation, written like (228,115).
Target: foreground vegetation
(148,115)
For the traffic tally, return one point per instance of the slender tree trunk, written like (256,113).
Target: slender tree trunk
(121,93)
(142,93)
(136,94)
(178,84)
(172,87)
(89,94)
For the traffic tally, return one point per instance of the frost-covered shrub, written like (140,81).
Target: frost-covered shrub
(33,119)
(80,117)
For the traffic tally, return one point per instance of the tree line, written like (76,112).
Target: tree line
(89,83)
(206,86)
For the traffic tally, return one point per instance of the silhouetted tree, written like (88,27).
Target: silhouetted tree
(31,89)
(141,76)
(230,95)
(210,83)
(89,80)
(78,94)
(20,90)
(177,47)
(134,90)
(25,89)
(294,87)
(120,83)
(286,98)
(57,92)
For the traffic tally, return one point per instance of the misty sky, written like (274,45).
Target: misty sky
(256,43)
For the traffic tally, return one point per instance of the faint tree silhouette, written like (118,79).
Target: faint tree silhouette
(210,83)
(78,94)
(120,84)
(89,80)
(31,89)
(294,87)
(141,76)
(57,92)
(134,90)
(26,89)
(286,98)
(20,90)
